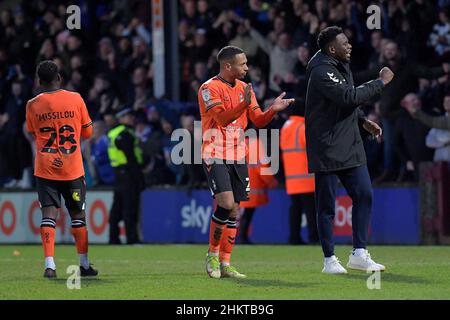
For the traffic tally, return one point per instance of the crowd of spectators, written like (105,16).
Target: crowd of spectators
(109,62)
(279,38)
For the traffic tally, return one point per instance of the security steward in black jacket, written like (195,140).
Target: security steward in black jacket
(334,145)
(125,156)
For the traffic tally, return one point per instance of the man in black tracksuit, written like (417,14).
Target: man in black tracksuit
(334,145)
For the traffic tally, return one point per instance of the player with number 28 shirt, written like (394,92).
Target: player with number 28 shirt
(58,119)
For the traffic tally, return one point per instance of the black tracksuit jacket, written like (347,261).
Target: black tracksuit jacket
(333,139)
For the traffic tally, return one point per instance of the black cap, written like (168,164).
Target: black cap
(123,112)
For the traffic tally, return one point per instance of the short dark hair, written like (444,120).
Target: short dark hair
(327,35)
(47,71)
(227,53)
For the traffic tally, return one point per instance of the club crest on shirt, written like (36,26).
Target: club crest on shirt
(333,78)
(241,97)
(206,95)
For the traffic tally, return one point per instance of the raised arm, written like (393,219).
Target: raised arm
(430,73)
(430,121)
(262,119)
(263,43)
(325,80)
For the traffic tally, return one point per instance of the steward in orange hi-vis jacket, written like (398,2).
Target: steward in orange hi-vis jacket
(259,185)
(299,183)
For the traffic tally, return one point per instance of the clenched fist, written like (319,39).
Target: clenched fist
(386,75)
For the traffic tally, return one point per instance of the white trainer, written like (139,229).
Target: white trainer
(332,265)
(362,261)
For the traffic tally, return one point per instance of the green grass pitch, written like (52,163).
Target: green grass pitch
(177,272)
